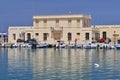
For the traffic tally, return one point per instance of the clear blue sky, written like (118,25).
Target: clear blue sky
(20,12)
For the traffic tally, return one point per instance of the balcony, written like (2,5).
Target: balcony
(56,28)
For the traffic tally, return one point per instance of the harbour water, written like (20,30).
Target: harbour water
(59,64)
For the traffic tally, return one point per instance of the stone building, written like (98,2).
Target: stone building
(53,28)
(68,28)
(111,32)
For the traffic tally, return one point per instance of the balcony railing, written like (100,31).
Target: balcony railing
(56,28)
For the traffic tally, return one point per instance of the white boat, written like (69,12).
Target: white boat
(117,46)
(61,45)
(79,46)
(71,46)
(42,45)
(107,46)
(102,46)
(26,45)
(90,46)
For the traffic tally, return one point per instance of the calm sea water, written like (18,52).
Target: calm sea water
(59,64)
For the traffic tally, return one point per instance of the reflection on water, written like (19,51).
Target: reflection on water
(59,64)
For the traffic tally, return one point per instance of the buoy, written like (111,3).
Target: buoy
(96,65)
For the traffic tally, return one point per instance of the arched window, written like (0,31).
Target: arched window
(28,36)
(69,36)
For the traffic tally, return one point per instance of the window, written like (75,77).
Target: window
(14,36)
(36,21)
(88,23)
(28,36)
(78,34)
(85,23)
(36,34)
(69,22)
(87,36)
(45,23)
(78,22)
(45,36)
(20,35)
(104,35)
(69,36)
(57,23)
(97,36)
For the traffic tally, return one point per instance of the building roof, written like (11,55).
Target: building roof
(62,16)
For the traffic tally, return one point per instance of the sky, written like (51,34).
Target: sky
(21,12)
